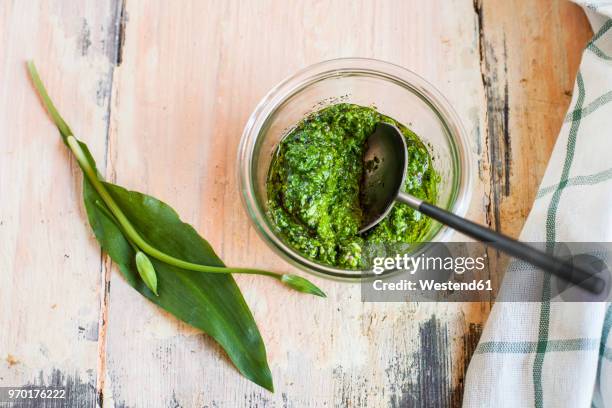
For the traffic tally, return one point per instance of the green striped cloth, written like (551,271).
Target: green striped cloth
(554,354)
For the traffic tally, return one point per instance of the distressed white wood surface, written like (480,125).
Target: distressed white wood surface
(161,91)
(50,266)
(190,77)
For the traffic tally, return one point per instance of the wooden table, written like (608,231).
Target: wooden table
(161,91)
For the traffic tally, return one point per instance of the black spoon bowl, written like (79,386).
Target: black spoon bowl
(385,161)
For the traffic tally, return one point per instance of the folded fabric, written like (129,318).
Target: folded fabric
(555,354)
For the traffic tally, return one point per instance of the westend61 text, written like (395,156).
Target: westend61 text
(429,285)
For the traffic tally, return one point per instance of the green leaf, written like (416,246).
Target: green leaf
(210,302)
(302,285)
(146,271)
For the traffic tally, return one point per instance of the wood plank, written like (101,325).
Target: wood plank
(528,72)
(50,265)
(190,77)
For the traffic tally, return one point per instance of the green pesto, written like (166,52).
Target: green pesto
(314,182)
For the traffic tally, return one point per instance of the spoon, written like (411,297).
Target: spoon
(386,159)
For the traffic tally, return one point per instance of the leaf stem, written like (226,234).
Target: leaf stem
(112,218)
(131,234)
(134,236)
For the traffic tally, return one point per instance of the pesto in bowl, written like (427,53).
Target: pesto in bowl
(314,180)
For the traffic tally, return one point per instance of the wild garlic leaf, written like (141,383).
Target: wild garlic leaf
(210,302)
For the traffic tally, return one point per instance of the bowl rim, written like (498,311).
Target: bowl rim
(312,74)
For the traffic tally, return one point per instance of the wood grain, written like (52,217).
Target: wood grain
(528,71)
(50,265)
(161,91)
(528,75)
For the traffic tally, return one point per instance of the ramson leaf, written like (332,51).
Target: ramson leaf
(210,302)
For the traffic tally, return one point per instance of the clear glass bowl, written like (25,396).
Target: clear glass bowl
(394,91)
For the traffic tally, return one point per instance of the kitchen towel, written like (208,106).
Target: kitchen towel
(554,354)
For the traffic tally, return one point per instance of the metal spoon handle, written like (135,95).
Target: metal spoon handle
(517,249)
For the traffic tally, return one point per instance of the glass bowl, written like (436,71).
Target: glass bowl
(395,92)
